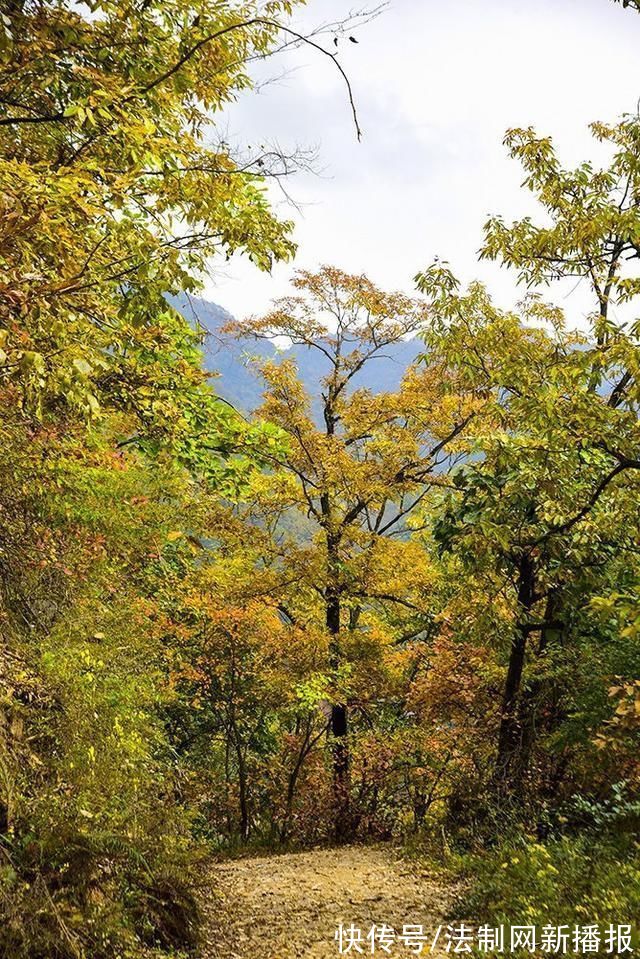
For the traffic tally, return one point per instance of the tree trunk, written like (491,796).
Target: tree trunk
(339,716)
(291,785)
(550,633)
(243,799)
(508,768)
(242,794)
(341,770)
(339,729)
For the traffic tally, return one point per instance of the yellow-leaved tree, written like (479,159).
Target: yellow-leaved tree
(356,467)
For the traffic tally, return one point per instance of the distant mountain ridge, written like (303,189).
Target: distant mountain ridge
(239,383)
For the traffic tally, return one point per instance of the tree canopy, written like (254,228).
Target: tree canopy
(352,614)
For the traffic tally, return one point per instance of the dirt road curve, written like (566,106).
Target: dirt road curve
(289,906)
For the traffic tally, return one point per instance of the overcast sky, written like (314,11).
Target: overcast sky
(437,83)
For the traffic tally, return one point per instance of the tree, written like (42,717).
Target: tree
(551,492)
(111,197)
(243,720)
(360,470)
(542,517)
(593,235)
(93,818)
(116,191)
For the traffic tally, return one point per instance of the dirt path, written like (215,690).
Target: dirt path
(289,906)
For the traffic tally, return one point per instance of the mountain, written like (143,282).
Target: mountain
(239,383)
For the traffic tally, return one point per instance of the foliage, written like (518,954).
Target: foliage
(571,880)
(111,196)
(114,194)
(542,517)
(358,476)
(416,612)
(84,837)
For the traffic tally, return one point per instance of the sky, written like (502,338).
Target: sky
(437,83)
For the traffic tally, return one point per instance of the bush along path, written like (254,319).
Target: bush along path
(294,905)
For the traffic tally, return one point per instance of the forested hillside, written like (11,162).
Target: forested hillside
(384,589)
(237,379)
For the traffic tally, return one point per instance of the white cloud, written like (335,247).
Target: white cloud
(437,83)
